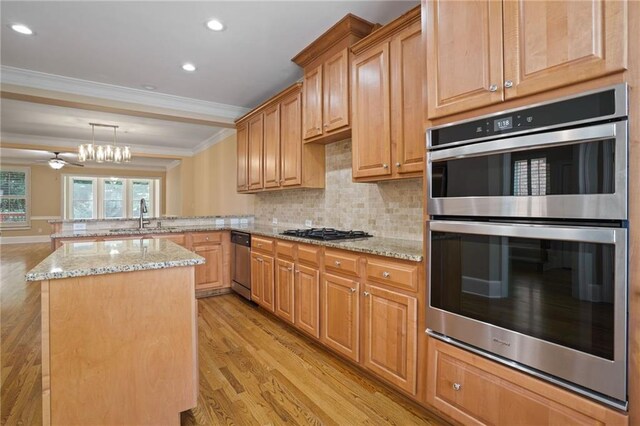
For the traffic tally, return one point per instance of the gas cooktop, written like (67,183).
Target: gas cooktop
(326,234)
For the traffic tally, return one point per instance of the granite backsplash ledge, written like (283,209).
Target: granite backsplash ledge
(390,209)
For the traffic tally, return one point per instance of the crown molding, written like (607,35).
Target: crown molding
(90,166)
(173,164)
(58,83)
(217,137)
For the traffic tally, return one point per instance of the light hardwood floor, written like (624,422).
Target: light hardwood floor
(253,368)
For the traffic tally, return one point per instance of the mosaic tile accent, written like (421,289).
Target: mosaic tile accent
(387,209)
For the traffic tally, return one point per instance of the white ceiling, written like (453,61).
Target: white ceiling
(144,42)
(28,157)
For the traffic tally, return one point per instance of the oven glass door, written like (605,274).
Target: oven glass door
(564,286)
(575,173)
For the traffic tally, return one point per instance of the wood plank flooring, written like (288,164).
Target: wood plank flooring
(254,369)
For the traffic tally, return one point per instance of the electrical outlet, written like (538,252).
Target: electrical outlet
(308,223)
(274,221)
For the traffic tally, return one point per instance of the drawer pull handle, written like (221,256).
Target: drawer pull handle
(366,294)
(207,238)
(288,269)
(457,386)
(337,263)
(353,290)
(385,274)
(259,245)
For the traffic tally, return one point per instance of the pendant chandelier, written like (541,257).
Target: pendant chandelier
(103,153)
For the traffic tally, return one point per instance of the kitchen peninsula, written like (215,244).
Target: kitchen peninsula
(119,332)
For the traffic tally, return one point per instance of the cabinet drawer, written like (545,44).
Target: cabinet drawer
(341,262)
(395,274)
(264,245)
(285,249)
(309,254)
(474,390)
(179,239)
(206,237)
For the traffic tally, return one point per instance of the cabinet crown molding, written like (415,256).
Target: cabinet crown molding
(349,25)
(387,30)
(295,87)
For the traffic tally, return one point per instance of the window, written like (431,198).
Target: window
(14,197)
(109,198)
(530,177)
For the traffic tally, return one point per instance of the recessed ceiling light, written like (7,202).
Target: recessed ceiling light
(22,29)
(215,25)
(149,87)
(188,67)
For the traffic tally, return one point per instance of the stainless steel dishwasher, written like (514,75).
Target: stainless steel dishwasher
(241,263)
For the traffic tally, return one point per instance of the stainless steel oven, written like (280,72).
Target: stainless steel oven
(528,240)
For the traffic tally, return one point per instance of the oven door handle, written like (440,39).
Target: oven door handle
(523,143)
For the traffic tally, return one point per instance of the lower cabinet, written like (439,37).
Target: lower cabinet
(341,315)
(390,336)
(307,300)
(262,280)
(284,289)
(474,390)
(210,274)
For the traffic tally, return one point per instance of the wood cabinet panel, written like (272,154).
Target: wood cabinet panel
(312,101)
(284,290)
(341,315)
(371,132)
(343,262)
(268,283)
(335,102)
(257,277)
(558,43)
(390,336)
(309,254)
(272,147)
(263,244)
(474,390)
(209,275)
(307,300)
(407,120)
(465,62)
(256,139)
(242,177)
(291,140)
(179,239)
(206,237)
(393,273)
(285,250)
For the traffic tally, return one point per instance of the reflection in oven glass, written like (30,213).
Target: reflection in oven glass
(557,291)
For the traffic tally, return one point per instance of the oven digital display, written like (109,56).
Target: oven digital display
(504,123)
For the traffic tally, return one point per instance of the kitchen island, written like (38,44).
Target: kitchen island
(119,332)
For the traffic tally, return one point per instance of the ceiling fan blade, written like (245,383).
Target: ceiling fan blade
(74,164)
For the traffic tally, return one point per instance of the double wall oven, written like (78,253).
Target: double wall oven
(528,236)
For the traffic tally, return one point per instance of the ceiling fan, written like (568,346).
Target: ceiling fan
(57,163)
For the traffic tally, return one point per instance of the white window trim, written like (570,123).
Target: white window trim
(98,191)
(27,223)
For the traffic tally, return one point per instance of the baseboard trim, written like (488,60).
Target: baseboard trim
(25,239)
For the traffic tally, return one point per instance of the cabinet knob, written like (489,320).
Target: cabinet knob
(493,88)
(259,260)
(207,238)
(366,294)
(297,271)
(353,290)
(508,84)
(385,166)
(385,274)
(457,386)
(398,164)
(259,245)
(326,125)
(337,263)
(289,269)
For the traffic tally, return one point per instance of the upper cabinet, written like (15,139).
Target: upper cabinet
(271,154)
(501,50)
(386,95)
(326,62)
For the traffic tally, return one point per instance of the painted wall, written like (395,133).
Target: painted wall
(205,184)
(46,193)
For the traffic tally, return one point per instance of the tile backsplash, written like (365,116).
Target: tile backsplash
(386,209)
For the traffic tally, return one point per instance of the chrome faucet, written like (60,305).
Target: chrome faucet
(143,210)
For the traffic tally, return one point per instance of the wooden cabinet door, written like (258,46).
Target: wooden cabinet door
(257,277)
(284,290)
(209,275)
(341,315)
(272,146)
(558,43)
(371,131)
(464,55)
(390,336)
(307,300)
(291,140)
(256,138)
(312,103)
(407,119)
(268,283)
(242,157)
(335,101)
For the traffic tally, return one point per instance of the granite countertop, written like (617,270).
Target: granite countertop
(110,257)
(166,217)
(389,247)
